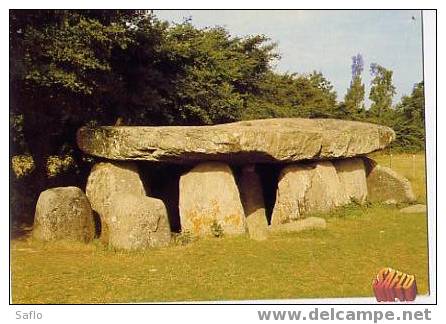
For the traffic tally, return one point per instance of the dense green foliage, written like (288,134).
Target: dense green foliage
(354,99)
(292,95)
(113,67)
(382,90)
(408,121)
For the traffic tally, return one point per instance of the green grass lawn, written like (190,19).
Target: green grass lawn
(337,262)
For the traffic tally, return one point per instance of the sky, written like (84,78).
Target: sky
(325,40)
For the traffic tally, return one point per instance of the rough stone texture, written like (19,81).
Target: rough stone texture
(209,195)
(137,222)
(304,188)
(300,225)
(268,140)
(386,186)
(418,208)
(63,213)
(352,175)
(253,204)
(107,179)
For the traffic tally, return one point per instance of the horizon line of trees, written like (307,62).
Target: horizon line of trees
(70,68)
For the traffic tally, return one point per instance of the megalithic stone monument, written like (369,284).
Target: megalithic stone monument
(322,166)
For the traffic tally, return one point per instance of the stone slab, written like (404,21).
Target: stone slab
(257,141)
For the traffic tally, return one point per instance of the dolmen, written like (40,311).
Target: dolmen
(320,165)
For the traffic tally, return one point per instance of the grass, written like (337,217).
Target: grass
(337,262)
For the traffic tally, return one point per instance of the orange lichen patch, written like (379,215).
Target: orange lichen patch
(198,222)
(214,208)
(233,219)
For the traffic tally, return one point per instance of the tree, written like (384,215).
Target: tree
(382,90)
(60,71)
(413,106)
(354,99)
(409,126)
(292,95)
(60,76)
(324,99)
(217,73)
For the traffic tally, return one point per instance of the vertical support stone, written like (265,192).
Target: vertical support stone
(307,188)
(209,197)
(352,175)
(107,179)
(252,199)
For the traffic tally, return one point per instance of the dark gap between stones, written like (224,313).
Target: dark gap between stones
(162,181)
(268,174)
(269,177)
(97,225)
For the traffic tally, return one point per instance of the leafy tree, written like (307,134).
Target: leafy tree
(354,99)
(60,72)
(218,73)
(382,90)
(409,126)
(187,76)
(322,102)
(412,107)
(60,75)
(292,95)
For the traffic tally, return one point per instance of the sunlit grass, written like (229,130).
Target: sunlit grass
(337,262)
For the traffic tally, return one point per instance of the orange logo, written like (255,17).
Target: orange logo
(391,284)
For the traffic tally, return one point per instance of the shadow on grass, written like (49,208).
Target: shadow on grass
(20,231)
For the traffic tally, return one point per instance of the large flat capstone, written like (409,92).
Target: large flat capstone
(257,141)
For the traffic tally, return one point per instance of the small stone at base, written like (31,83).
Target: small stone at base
(300,225)
(418,208)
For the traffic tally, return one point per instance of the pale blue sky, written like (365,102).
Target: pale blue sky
(325,40)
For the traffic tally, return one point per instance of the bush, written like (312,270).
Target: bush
(217,229)
(183,238)
(22,165)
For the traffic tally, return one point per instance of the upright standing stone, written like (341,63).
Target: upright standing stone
(253,203)
(385,185)
(105,181)
(209,196)
(137,222)
(352,175)
(306,188)
(63,214)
